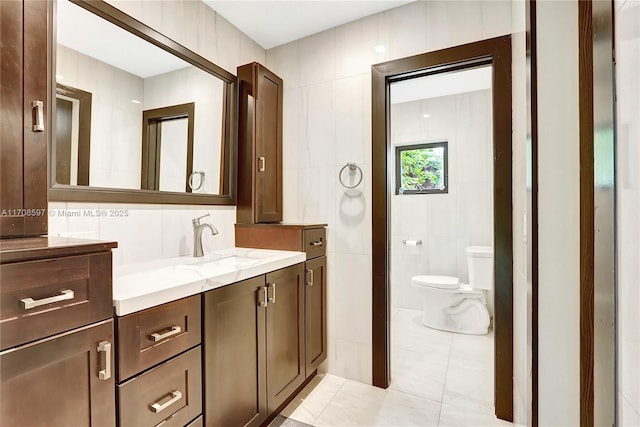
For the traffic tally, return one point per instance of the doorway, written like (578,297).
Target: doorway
(495,53)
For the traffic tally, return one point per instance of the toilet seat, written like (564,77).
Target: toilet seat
(439,282)
(445,284)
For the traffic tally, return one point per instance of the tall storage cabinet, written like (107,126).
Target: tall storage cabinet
(24,59)
(259,145)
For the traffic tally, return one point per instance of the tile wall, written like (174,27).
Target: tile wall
(627,40)
(327,123)
(445,223)
(115,155)
(153,231)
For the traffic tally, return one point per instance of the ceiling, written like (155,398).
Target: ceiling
(82,31)
(272,23)
(442,84)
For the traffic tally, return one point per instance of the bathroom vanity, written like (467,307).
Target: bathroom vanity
(219,339)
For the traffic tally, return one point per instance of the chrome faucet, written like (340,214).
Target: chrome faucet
(197,234)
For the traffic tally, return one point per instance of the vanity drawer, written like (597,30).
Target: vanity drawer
(309,238)
(170,393)
(148,337)
(315,242)
(45,297)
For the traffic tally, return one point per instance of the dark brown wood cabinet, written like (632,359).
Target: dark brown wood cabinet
(315,313)
(57,359)
(311,239)
(160,365)
(24,101)
(169,394)
(60,381)
(259,145)
(253,347)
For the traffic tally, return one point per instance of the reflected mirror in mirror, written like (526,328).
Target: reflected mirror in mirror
(121,120)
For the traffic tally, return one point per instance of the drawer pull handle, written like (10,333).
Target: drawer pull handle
(261,164)
(309,277)
(158,407)
(263,292)
(38,119)
(272,299)
(316,243)
(156,336)
(29,303)
(105,347)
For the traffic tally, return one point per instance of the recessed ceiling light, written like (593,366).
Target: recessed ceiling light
(426,115)
(135,101)
(380,48)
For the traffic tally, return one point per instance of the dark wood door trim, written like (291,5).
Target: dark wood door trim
(532,197)
(497,51)
(585,81)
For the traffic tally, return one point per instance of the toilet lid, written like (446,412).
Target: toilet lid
(440,282)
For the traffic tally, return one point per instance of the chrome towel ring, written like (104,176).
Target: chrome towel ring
(191,184)
(352,170)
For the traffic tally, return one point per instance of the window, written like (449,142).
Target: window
(422,168)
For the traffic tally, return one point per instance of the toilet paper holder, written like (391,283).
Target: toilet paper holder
(412,242)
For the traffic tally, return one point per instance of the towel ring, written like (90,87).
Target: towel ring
(352,168)
(194,173)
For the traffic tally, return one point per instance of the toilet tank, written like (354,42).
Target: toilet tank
(480,265)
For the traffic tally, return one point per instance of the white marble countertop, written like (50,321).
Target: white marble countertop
(147,284)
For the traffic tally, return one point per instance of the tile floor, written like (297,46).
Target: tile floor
(438,379)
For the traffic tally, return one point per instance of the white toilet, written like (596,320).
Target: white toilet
(457,307)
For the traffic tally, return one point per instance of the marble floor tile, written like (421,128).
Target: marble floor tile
(313,399)
(358,404)
(421,374)
(456,416)
(469,384)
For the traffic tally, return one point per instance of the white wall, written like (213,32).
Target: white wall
(327,123)
(115,155)
(154,231)
(446,223)
(558,214)
(206,92)
(627,41)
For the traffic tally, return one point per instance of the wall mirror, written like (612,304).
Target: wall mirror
(138,118)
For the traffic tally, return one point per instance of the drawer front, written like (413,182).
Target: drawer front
(148,337)
(45,297)
(315,242)
(170,393)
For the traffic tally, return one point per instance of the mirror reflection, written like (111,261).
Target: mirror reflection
(131,115)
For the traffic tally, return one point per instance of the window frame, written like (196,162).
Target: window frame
(407,147)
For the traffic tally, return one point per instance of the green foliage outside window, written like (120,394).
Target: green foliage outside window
(422,168)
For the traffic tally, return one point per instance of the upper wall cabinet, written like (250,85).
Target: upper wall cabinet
(138,117)
(25,117)
(259,145)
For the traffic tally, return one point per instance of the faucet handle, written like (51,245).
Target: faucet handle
(196,221)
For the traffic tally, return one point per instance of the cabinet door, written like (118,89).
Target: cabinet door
(58,381)
(285,334)
(268,134)
(315,313)
(234,355)
(23,149)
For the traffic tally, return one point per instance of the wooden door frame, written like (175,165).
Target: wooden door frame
(497,52)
